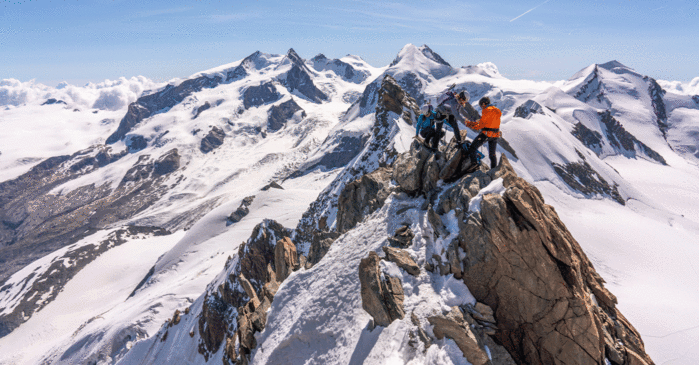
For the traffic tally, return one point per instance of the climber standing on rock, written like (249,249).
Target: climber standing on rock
(428,128)
(450,106)
(489,125)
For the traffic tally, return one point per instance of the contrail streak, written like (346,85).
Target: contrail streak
(529,10)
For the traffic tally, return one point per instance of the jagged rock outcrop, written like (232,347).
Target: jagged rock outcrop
(518,251)
(592,139)
(279,114)
(394,106)
(623,141)
(199,110)
(285,258)
(454,326)
(213,140)
(402,259)
(340,68)
(237,309)
(382,295)
(582,177)
(299,79)
(242,210)
(53,101)
(403,237)
(528,108)
(259,95)
(362,197)
(656,93)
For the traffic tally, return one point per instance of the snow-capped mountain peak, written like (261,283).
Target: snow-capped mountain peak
(421,60)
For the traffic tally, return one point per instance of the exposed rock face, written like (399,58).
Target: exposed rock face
(340,68)
(320,244)
(237,309)
(135,143)
(402,259)
(213,140)
(285,258)
(403,237)
(656,96)
(624,142)
(591,139)
(258,95)
(582,177)
(560,323)
(528,108)
(298,78)
(242,210)
(167,163)
(53,101)
(279,114)
(205,106)
(362,197)
(382,298)
(454,326)
(377,151)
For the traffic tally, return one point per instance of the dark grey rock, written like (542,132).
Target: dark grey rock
(656,97)
(623,141)
(213,140)
(259,95)
(580,176)
(528,108)
(279,114)
(591,139)
(205,106)
(135,143)
(53,101)
(298,78)
(271,185)
(167,163)
(242,210)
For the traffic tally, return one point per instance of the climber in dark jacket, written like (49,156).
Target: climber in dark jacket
(489,125)
(451,107)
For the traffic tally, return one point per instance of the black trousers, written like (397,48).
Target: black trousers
(432,135)
(452,123)
(479,141)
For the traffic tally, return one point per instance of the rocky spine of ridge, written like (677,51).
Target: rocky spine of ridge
(549,305)
(237,309)
(318,226)
(623,141)
(656,93)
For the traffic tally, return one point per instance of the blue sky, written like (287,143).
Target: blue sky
(80,40)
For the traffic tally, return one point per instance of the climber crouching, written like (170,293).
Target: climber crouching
(489,125)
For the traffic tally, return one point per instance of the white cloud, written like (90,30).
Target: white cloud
(106,95)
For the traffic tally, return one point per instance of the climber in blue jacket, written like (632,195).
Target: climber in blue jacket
(428,127)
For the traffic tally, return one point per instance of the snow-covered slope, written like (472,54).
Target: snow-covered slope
(613,151)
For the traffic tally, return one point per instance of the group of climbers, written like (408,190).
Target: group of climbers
(450,106)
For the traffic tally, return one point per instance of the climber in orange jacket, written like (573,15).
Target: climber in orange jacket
(489,125)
